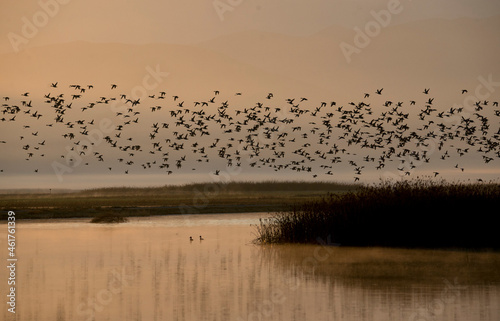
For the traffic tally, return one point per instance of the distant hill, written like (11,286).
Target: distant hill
(19,191)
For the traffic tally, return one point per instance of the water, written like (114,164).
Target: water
(147,269)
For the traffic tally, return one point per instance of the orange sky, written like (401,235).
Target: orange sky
(322,50)
(188,22)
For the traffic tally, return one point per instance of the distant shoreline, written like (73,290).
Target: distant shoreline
(60,214)
(202,198)
(132,218)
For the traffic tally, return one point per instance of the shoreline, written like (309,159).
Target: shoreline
(235,197)
(52,213)
(132,218)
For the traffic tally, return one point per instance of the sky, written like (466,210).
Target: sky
(323,50)
(190,22)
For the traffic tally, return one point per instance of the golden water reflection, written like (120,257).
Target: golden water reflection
(148,269)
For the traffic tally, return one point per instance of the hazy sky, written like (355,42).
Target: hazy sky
(186,22)
(409,57)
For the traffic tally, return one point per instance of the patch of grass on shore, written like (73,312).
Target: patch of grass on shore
(200,198)
(414,214)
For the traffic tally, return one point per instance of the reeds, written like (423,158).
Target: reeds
(417,213)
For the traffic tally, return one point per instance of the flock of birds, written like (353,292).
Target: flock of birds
(163,132)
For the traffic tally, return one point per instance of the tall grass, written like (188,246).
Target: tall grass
(417,213)
(224,187)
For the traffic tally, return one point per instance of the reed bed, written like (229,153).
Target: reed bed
(415,214)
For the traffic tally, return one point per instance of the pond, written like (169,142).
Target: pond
(148,269)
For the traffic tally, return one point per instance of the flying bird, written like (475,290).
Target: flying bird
(293,134)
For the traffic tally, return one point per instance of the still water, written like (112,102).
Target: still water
(148,269)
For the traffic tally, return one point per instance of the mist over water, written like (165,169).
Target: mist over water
(148,269)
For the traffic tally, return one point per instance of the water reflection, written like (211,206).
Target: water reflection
(401,284)
(148,269)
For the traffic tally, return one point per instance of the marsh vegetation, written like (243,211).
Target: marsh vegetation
(199,198)
(414,214)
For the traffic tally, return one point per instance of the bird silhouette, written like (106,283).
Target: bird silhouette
(294,134)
